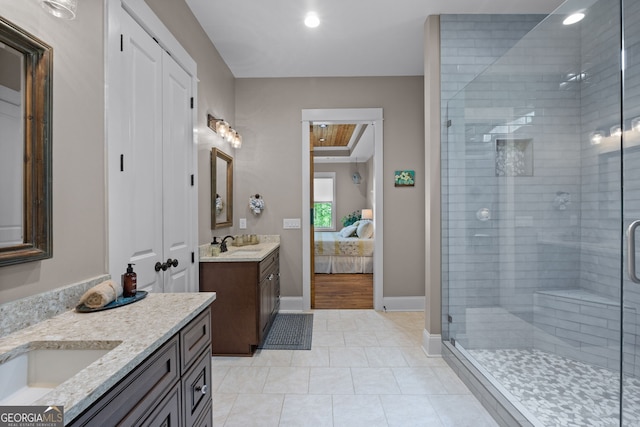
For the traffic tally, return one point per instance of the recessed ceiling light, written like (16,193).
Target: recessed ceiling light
(312,20)
(573,18)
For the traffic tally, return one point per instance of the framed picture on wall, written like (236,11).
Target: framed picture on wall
(405,178)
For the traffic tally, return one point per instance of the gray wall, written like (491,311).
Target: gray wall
(268,112)
(79,220)
(79,236)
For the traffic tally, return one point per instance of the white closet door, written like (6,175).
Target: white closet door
(141,204)
(177,191)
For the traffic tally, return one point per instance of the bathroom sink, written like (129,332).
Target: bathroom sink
(244,252)
(35,372)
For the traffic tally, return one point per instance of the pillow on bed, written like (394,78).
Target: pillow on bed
(365,230)
(348,231)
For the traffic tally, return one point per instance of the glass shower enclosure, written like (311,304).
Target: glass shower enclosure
(540,203)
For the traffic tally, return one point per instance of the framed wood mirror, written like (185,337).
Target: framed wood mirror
(26,72)
(221,189)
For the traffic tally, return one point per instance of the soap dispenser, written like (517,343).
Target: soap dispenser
(215,247)
(130,282)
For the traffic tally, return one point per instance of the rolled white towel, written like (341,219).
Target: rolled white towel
(102,294)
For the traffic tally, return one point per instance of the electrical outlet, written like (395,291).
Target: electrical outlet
(243,223)
(288,223)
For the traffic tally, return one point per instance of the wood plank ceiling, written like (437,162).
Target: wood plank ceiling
(331,135)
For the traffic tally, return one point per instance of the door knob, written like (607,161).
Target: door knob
(172,262)
(160,266)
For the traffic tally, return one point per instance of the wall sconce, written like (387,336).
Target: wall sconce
(595,138)
(225,131)
(356,177)
(65,9)
(367,214)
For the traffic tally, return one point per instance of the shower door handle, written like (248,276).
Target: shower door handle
(631,251)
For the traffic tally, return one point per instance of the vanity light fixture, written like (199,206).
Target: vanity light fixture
(312,20)
(65,9)
(573,18)
(226,132)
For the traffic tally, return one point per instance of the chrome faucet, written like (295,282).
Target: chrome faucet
(223,244)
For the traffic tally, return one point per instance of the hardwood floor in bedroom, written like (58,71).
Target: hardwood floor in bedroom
(343,291)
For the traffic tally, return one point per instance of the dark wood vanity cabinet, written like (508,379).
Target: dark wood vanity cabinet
(247,300)
(172,387)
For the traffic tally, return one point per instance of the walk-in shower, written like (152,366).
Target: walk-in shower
(540,183)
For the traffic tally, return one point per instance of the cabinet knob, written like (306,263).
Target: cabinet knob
(270,276)
(202,389)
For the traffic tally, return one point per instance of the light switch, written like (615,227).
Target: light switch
(291,223)
(243,223)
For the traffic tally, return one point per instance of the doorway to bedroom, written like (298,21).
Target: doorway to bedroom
(343,249)
(343,228)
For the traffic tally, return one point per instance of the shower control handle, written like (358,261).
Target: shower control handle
(631,251)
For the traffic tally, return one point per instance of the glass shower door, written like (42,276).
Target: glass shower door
(631,207)
(532,221)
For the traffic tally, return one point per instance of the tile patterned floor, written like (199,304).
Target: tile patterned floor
(562,392)
(365,368)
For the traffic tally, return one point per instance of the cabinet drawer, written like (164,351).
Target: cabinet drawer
(196,388)
(267,265)
(130,401)
(195,337)
(167,413)
(206,419)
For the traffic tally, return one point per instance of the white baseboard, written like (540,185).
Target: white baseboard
(291,304)
(403,303)
(432,344)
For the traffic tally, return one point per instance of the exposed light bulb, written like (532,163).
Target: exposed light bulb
(573,18)
(312,20)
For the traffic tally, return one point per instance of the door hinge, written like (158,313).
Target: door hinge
(449,318)
(155,40)
(192,102)
(121,162)
(193,257)
(192,180)
(448,123)
(121,43)
(453,341)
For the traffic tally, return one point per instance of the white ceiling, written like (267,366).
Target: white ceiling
(259,38)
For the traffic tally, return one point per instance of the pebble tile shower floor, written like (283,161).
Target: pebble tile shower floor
(562,392)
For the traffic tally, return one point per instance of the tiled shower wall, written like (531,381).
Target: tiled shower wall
(557,226)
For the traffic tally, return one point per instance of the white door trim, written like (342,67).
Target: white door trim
(343,115)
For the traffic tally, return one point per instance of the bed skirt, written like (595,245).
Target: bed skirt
(328,264)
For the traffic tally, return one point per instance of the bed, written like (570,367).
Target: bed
(337,254)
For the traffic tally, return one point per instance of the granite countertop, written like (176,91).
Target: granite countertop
(247,253)
(133,332)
